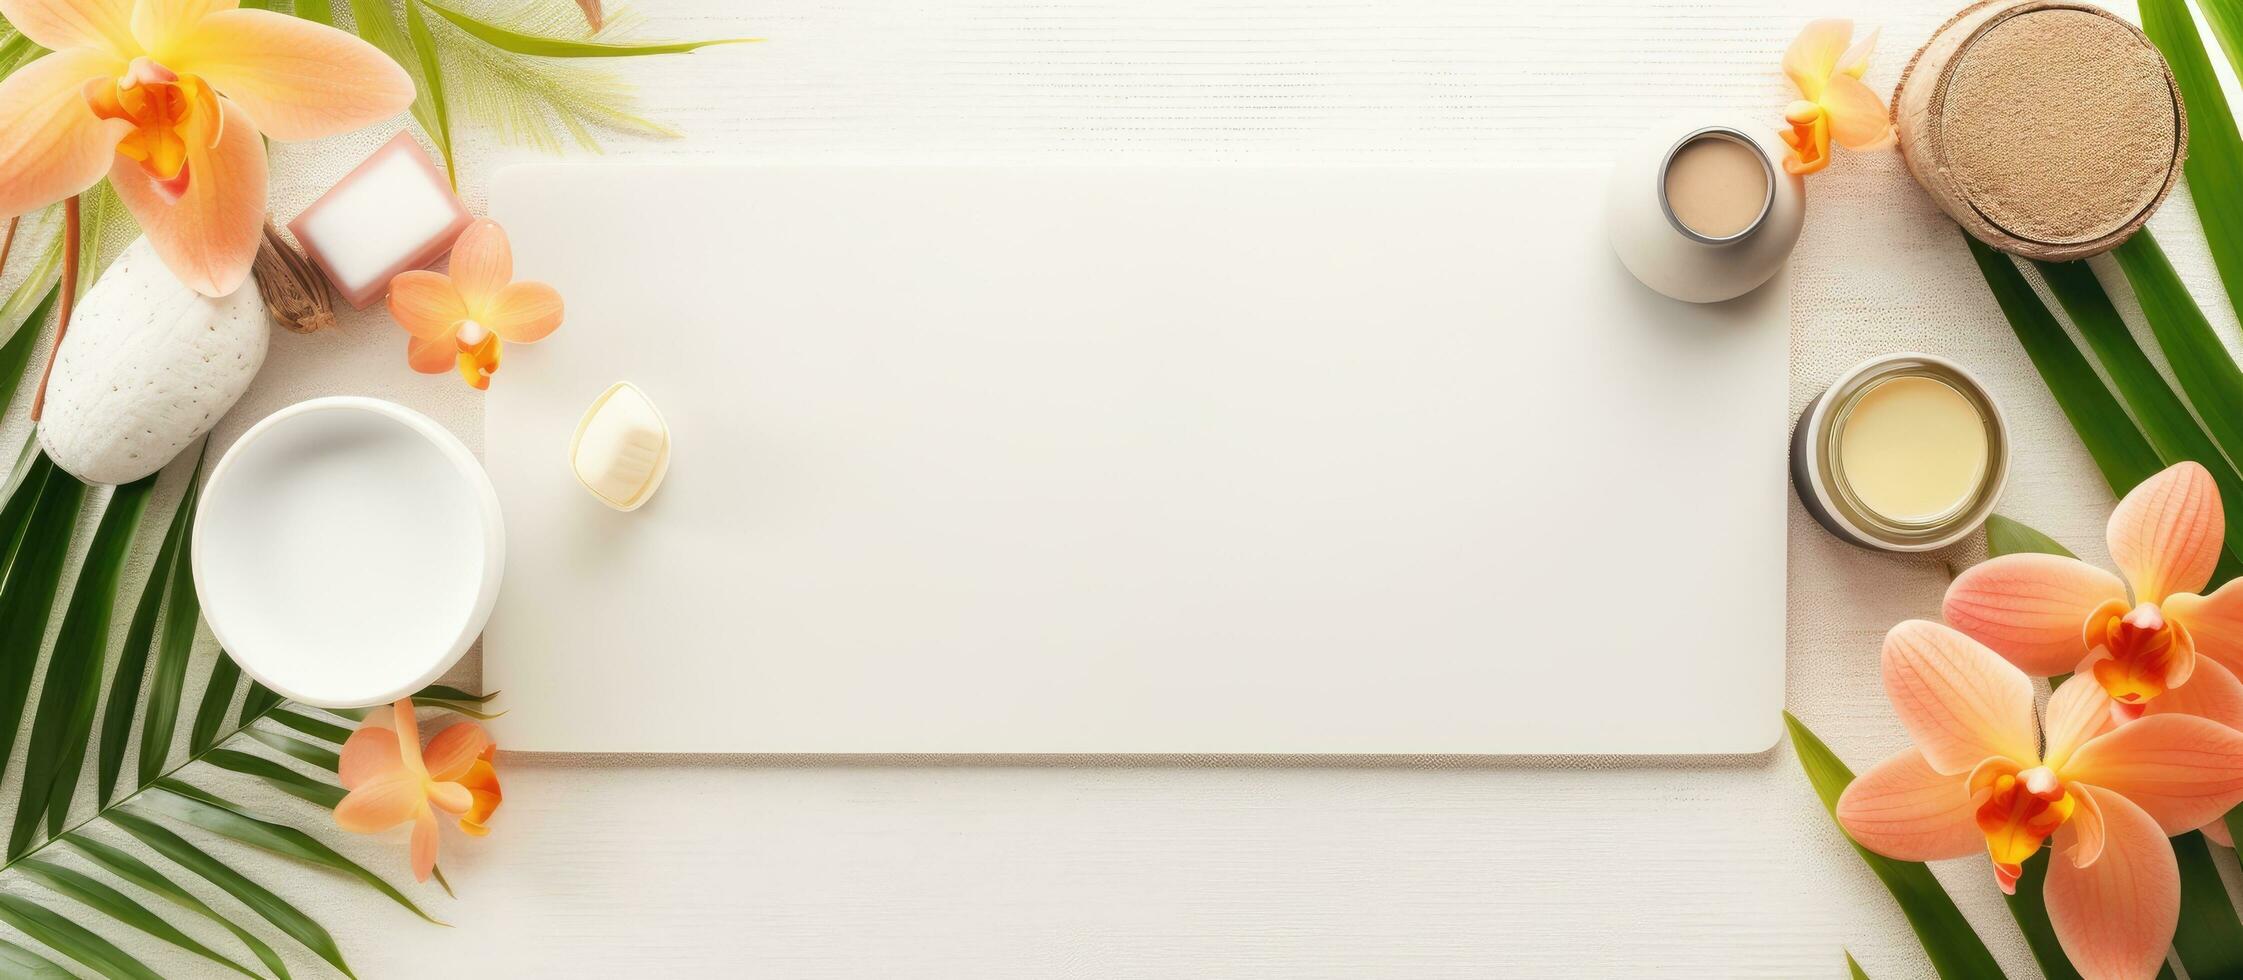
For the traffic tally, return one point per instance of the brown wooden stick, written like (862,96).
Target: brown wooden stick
(70,246)
(8,244)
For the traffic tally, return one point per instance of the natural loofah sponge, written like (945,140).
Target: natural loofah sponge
(2046,128)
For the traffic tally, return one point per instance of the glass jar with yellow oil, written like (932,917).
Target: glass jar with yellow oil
(1903,453)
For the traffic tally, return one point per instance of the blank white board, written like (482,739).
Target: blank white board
(1147,460)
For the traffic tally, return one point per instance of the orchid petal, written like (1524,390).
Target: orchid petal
(2216,832)
(424,843)
(482,265)
(2214,621)
(51,143)
(2166,534)
(1813,55)
(524,312)
(2090,832)
(450,797)
(209,236)
(2077,713)
(369,754)
(482,782)
(1855,61)
(2211,692)
(436,356)
(2115,917)
(1904,809)
(1858,120)
(381,803)
(297,79)
(61,25)
(2031,608)
(1960,701)
(158,25)
(2182,770)
(427,305)
(408,735)
(453,750)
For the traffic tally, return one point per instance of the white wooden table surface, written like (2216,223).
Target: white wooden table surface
(1191,867)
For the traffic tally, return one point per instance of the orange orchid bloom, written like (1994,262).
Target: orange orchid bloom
(167,98)
(2142,636)
(2164,649)
(392,780)
(463,320)
(1833,103)
(1984,778)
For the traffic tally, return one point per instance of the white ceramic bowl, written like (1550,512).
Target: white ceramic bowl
(347,551)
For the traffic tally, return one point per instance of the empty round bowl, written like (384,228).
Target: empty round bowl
(347,551)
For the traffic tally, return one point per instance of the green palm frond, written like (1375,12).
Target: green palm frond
(71,592)
(522,70)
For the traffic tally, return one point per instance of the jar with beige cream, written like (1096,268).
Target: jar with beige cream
(1702,210)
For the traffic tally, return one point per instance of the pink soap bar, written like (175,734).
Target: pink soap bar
(395,212)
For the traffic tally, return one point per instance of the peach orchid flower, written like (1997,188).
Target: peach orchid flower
(1833,103)
(1978,781)
(2139,637)
(465,318)
(167,98)
(392,780)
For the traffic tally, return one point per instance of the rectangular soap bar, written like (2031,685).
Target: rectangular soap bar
(395,212)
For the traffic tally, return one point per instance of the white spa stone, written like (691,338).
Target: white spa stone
(622,448)
(147,367)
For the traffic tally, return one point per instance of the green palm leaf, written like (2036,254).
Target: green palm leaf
(28,596)
(217,696)
(139,873)
(174,649)
(323,730)
(2209,939)
(2119,449)
(200,808)
(2008,537)
(519,41)
(20,962)
(272,908)
(254,704)
(377,23)
(98,896)
(297,749)
(64,721)
(322,794)
(2204,368)
(2215,149)
(125,684)
(15,355)
(72,940)
(2166,421)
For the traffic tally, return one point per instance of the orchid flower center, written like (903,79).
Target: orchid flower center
(2142,651)
(478,352)
(162,106)
(2018,810)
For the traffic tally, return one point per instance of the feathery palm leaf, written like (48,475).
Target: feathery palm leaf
(521,70)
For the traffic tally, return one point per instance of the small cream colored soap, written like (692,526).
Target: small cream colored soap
(622,448)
